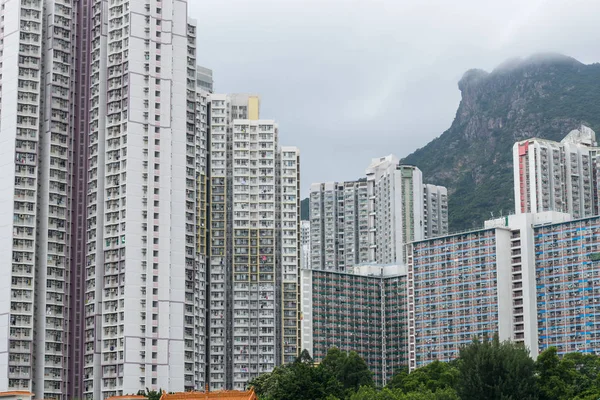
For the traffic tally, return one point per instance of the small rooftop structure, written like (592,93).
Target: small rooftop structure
(584,136)
(16,395)
(217,395)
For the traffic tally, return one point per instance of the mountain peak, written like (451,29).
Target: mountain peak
(545,95)
(472,77)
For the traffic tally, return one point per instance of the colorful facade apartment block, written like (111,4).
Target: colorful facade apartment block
(567,261)
(362,311)
(454,286)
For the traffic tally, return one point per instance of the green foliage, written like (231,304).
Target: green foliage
(354,373)
(487,369)
(302,380)
(575,376)
(151,394)
(494,370)
(432,377)
(369,393)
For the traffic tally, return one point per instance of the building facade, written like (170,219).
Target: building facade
(38,122)
(558,176)
(458,284)
(254,236)
(142,288)
(435,211)
(305,261)
(371,220)
(363,311)
(455,282)
(339,225)
(567,257)
(402,209)
(107,200)
(205,79)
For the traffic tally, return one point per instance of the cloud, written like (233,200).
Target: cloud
(349,80)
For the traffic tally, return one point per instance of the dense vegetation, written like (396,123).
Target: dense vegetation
(545,96)
(484,370)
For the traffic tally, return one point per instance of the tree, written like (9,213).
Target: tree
(369,393)
(441,394)
(349,372)
(584,370)
(433,376)
(494,370)
(151,394)
(575,376)
(355,373)
(397,381)
(305,358)
(334,361)
(551,376)
(299,380)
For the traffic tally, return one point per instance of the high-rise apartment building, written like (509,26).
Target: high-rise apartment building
(38,123)
(558,176)
(454,299)
(104,140)
(305,262)
(338,225)
(254,239)
(567,265)
(483,282)
(435,211)
(361,310)
(40,194)
(205,79)
(402,208)
(142,274)
(371,220)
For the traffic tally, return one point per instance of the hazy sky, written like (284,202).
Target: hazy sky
(352,80)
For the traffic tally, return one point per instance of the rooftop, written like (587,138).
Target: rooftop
(218,395)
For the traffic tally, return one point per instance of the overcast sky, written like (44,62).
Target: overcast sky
(352,80)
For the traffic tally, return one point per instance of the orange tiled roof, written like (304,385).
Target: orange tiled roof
(218,395)
(16,393)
